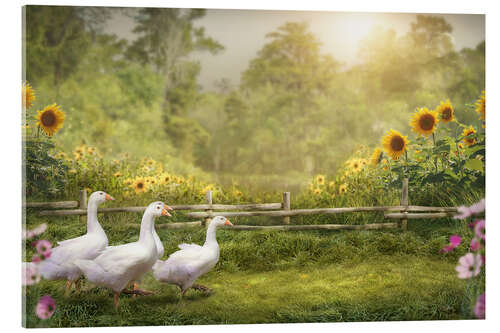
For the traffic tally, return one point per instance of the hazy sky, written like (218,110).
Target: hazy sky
(242,32)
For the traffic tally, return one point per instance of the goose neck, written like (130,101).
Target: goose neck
(92,222)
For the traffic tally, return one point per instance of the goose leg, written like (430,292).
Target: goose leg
(78,284)
(68,288)
(115,299)
(135,287)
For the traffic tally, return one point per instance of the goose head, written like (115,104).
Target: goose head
(158,208)
(219,221)
(100,197)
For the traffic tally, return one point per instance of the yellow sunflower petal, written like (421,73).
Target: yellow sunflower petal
(395,144)
(424,121)
(50,119)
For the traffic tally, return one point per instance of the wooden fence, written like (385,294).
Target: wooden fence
(282,209)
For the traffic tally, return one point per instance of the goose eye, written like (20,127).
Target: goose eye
(101,193)
(157,207)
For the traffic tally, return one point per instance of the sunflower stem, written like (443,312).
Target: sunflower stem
(435,157)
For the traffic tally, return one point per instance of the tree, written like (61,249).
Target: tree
(167,37)
(58,38)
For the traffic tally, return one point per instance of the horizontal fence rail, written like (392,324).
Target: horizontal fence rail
(282,209)
(53,205)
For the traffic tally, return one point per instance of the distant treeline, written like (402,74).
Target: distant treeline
(296,109)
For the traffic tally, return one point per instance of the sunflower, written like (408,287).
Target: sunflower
(376,156)
(445,110)
(237,193)
(317,191)
(91,150)
(481,106)
(466,133)
(424,121)
(50,119)
(28,95)
(117,174)
(331,184)
(342,188)
(394,144)
(165,178)
(128,181)
(356,165)
(139,185)
(320,179)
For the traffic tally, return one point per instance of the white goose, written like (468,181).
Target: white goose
(60,264)
(117,266)
(183,267)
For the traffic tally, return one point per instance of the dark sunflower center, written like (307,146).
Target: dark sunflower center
(446,114)
(426,122)
(397,143)
(48,118)
(140,185)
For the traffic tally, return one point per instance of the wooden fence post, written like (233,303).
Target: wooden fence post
(404,202)
(83,203)
(286,206)
(208,199)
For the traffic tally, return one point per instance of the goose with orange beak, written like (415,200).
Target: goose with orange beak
(118,266)
(60,264)
(183,267)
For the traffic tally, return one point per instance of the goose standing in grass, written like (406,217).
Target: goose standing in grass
(183,267)
(60,264)
(117,266)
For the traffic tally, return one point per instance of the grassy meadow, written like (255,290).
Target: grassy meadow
(276,277)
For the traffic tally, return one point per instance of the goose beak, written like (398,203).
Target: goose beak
(168,207)
(228,223)
(165,212)
(108,197)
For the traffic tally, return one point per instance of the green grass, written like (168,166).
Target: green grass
(264,277)
(382,288)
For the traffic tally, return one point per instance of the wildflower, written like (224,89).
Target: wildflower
(479,229)
(424,121)
(28,95)
(331,184)
(317,191)
(45,307)
(115,161)
(480,308)
(50,119)
(27,234)
(117,174)
(376,156)
(139,185)
(30,274)
(128,181)
(356,165)
(465,212)
(43,247)
(395,144)
(475,244)
(445,110)
(455,241)
(320,179)
(342,188)
(466,133)
(481,106)
(165,178)
(469,266)
(237,193)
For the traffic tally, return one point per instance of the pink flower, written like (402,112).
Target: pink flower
(479,229)
(30,274)
(465,212)
(480,308)
(475,244)
(39,257)
(478,208)
(455,241)
(28,234)
(469,266)
(43,247)
(45,307)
